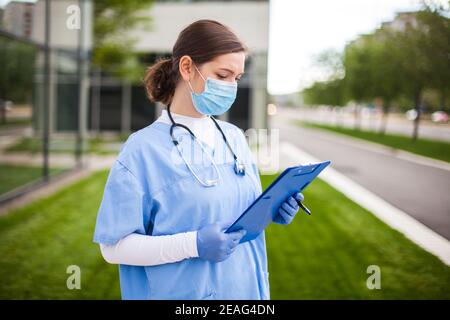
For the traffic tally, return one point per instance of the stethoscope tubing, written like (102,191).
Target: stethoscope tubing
(239,168)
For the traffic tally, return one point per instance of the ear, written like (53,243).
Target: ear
(186,68)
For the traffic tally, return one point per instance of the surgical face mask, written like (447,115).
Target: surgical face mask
(217,97)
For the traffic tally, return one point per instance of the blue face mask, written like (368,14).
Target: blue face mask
(217,97)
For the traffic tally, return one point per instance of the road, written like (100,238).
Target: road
(396,124)
(419,190)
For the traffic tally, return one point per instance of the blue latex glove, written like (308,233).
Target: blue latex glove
(288,209)
(214,244)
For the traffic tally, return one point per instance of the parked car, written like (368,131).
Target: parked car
(411,114)
(439,116)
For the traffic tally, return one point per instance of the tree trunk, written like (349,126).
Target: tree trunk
(357,118)
(384,120)
(417,106)
(3,111)
(442,100)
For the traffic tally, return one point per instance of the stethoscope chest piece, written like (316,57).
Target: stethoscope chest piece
(239,168)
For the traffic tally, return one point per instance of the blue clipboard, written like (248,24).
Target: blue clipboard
(264,209)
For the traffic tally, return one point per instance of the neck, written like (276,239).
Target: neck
(182,104)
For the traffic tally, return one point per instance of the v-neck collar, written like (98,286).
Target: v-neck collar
(203,128)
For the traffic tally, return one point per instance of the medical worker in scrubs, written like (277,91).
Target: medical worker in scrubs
(179,182)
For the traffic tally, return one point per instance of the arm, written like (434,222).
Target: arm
(142,250)
(209,243)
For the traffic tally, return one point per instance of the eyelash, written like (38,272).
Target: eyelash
(222,77)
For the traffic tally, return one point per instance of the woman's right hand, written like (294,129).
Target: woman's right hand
(214,244)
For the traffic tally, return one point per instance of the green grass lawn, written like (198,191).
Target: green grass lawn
(430,148)
(13,123)
(100,146)
(38,243)
(13,176)
(324,255)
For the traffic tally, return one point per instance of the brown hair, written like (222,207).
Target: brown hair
(202,40)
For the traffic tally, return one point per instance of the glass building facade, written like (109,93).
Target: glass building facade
(44,50)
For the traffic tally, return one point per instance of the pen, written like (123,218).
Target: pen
(301,205)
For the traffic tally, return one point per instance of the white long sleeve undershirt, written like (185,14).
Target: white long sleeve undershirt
(143,250)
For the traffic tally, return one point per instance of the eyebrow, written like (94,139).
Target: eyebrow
(231,71)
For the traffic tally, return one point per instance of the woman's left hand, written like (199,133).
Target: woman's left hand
(288,209)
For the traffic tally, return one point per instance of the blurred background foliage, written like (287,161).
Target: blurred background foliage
(113,50)
(399,67)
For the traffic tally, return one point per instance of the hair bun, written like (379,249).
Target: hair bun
(159,81)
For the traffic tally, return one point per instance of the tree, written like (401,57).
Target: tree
(404,61)
(328,93)
(113,48)
(330,61)
(357,68)
(436,44)
(424,61)
(16,84)
(385,77)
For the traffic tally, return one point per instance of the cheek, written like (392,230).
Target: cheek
(199,85)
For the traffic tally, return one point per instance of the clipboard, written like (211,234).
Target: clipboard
(264,209)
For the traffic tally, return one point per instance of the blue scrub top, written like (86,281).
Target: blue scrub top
(150,191)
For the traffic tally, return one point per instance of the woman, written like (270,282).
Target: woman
(179,182)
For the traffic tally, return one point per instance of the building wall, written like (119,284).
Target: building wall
(67,110)
(249,20)
(18,18)
(61,36)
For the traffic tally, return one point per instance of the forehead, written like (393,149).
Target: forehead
(234,61)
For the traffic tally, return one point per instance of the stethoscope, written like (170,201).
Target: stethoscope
(239,167)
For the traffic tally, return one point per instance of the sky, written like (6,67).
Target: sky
(301,29)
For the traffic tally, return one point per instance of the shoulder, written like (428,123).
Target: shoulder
(147,135)
(143,143)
